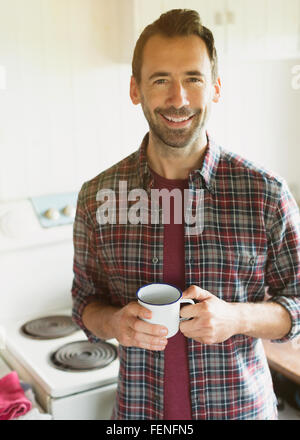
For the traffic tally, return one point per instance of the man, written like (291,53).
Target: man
(215,367)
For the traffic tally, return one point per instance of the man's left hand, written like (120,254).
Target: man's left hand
(213,320)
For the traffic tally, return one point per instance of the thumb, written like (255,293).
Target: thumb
(195,292)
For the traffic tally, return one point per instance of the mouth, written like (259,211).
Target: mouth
(176,121)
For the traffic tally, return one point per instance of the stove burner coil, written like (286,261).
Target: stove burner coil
(49,327)
(84,356)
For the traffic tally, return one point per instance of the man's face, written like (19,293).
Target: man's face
(176,89)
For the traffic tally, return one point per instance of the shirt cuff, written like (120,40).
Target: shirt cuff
(77,318)
(292,305)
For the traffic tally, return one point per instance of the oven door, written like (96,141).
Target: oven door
(96,404)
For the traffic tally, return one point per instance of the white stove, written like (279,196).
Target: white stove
(36,261)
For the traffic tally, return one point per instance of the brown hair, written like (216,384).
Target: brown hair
(174,23)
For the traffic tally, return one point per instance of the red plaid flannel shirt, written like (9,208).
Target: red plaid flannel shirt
(249,242)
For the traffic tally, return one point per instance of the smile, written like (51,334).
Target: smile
(177,121)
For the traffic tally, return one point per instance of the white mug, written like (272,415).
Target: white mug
(163,300)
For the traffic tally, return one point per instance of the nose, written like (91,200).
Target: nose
(177,96)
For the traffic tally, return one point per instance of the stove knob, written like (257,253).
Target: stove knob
(52,214)
(69,211)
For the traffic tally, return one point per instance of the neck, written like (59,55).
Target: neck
(173,162)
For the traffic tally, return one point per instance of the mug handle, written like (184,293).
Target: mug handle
(186,300)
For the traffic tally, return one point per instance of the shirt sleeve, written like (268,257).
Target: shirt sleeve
(89,282)
(283,268)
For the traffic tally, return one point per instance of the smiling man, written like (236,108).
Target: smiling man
(175,102)
(215,366)
(176,87)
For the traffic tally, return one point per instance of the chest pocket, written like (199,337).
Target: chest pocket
(237,276)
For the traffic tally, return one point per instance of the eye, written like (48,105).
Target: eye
(195,80)
(160,81)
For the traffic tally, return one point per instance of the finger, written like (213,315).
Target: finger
(192,329)
(190,311)
(153,347)
(139,311)
(187,327)
(195,292)
(148,328)
(148,342)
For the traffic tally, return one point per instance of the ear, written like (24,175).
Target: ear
(217,90)
(134,91)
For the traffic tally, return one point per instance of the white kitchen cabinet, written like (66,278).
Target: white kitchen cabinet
(283,28)
(248,28)
(262,29)
(60,108)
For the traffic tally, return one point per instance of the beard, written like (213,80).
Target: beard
(176,137)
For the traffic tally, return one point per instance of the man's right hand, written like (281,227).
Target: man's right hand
(131,331)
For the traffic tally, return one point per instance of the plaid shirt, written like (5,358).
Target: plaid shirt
(250,242)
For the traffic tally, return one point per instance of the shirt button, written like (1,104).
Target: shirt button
(154,260)
(252,261)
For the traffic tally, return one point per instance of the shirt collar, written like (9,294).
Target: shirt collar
(205,175)
(143,168)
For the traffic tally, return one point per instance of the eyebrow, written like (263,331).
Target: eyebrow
(157,74)
(195,73)
(188,73)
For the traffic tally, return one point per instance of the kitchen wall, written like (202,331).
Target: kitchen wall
(65,111)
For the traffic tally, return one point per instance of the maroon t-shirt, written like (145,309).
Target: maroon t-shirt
(177,403)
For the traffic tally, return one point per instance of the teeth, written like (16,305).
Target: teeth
(177,119)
